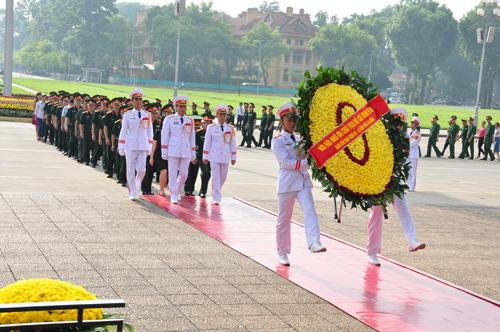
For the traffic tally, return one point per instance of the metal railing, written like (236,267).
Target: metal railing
(62,305)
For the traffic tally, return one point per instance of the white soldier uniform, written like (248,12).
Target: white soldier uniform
(294,182)
(219,148)
(178,145)
(374,244)
(414,154)
(135,142)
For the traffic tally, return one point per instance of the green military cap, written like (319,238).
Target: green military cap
(489,117)
(116,100)
(168,108)
(153,107)
(123,108)
(252,104)
(85,95)
(246,104)
(206,103)
(270,107)
(437,117)
(463,120)
(453,117)
(145,102)
(471,118)
(229,106)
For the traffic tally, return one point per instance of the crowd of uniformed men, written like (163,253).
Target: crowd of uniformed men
(87,129)
(466,136)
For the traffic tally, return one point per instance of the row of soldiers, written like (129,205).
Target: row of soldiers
(466,134)
(87,129)
(266,128)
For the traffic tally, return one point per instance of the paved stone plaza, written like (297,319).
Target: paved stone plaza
(63,220)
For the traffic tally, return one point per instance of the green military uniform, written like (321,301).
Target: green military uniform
(53,114)
(147,181)
(205,169)
(108,121)
(447,142)
(97,150)
(455,129)
(121,164)
(48,130)
(262,129)
(72,140)
(488,139)
(86,122)
(465,147)
(230,119)
(243,130)
(194,112)
(209,114)
(432,140)
(60,135)
(471,132)
(271,118)
(252,116)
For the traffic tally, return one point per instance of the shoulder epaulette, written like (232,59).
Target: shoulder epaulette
(213,124)
(170,116)
(190,117)
(200,129)
(230,125)
(85,112)
(277,136)
(118,120)
(109,112)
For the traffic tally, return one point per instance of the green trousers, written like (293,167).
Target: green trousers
(205,176)
(465,149)
(250,137)
(244,132)
(87,146)
(432,145)
(487,148)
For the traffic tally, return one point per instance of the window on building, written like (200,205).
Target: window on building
(301,42)
(297,58)
(285,76)
(287,60)
(308,58)
(288,41)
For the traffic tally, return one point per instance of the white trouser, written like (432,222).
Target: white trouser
(136,161)
(374,244)
(219,176)
(178,169)
(286,202)
(412,176)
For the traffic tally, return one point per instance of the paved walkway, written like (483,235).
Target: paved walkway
(63,220)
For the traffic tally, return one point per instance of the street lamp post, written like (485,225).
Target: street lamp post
(69,50)
(484,37)
(370,71)
(9,47)
(258,69)
(179,10)
(132,55)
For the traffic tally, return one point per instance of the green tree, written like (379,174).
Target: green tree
(42,55)
(472,52)
(344,46)
(129,9)
(422,35)
(322,19)
(273,7)
(270,43)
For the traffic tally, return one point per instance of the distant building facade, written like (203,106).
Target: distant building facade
(296,31)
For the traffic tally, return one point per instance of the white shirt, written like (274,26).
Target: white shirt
(497,132)
(239,111)
(220,144)
(178,137)
(414,141)
(39,109)
(293,174)
(136,133)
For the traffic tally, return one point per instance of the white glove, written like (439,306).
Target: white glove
(164,157)
(121,152)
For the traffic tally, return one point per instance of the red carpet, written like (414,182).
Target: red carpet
(393,297)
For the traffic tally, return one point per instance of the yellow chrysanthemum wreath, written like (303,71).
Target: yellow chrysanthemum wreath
(370,178)
(45,290)
(372,169)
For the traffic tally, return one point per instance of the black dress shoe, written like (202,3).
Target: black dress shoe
(110,176)
(87,163)
(148,193)
(79,161)
(93,165)
(124,184)
(203,195)
(187,193)
(118,181)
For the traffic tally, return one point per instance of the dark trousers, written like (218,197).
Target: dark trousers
(250,137)
(262,137)
(96,152)
(73,142)
(111,160)
(244,132)
(430,145)
(87,146)
(238,122)
(121,167)
(205,176)
(148,177)
(64,140)
(480,142)
(40,127)
(190,183)
(269,137)
(52,132)
(446,143)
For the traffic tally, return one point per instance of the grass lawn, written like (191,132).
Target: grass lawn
(425,112)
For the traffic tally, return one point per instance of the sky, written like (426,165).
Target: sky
(338,7)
